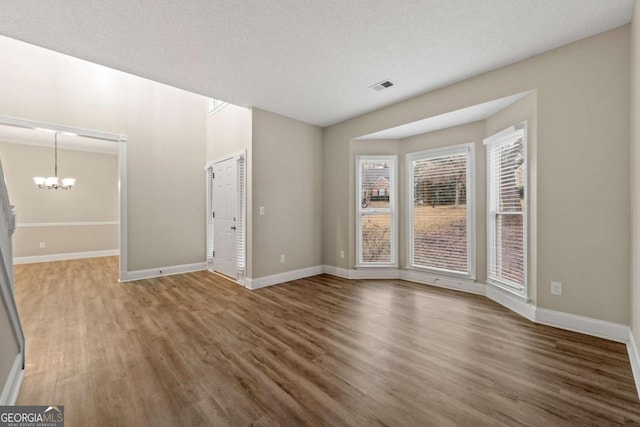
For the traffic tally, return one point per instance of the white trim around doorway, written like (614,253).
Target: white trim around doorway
(122,166)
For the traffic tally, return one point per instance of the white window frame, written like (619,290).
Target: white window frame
(504,137)
(392,210)
(215,105)
(469,149)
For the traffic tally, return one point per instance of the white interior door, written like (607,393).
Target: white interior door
(224,204)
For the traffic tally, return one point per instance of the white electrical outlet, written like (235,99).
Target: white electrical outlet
(42,245)
(342,254)
(261,210)
(556,288)
(282,259)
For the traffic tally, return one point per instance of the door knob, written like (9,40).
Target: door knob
(233,227)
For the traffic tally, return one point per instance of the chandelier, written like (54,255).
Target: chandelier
(52,182)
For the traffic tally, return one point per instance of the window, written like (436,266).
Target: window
(376,211)
(215,105)
(506,209)
(440,210)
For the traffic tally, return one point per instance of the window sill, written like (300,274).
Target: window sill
(365,266)
(506,288)
(439,272)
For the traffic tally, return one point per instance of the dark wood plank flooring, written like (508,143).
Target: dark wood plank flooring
(195,349)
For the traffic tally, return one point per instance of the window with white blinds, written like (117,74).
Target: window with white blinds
(506,209)
(441,213)
(376,187)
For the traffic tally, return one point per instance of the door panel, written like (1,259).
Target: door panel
(224,223)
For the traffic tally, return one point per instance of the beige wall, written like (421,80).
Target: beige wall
(64,240)
(583,145)
(228,132)
(635,174)
(94,198)
(287,182)
(166,130)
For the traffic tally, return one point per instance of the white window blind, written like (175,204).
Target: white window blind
(240,222)
(506,209)
(209,178)
(376,210)
(440,209)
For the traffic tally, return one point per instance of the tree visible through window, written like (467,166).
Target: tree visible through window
(440,209)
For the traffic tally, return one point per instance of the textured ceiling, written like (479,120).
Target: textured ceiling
(312,60)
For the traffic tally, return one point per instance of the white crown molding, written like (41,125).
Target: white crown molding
(127,276)
(287,276)
(14,382)
(65,256)
(65,224)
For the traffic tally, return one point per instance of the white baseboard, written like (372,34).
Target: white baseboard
(458,284)
(14,382)
(571,322)
(65,257)
(275,279)
(634,358)
(511,301)
(336,271)
(559,319)
(363,272)
(585,325)
(374,273)
(127,276)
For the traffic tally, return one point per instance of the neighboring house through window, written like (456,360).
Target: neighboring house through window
(376,211)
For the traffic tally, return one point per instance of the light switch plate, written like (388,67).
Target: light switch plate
(556,288)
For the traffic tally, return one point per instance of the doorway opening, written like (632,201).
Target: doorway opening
(226,216)
(74,140)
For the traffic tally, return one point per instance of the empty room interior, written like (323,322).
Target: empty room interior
(320,213)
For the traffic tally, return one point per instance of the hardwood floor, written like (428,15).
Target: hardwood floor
(195,349)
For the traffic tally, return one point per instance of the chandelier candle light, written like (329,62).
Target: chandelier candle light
(51,183)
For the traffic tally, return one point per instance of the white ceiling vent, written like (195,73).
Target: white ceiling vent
(382,85)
